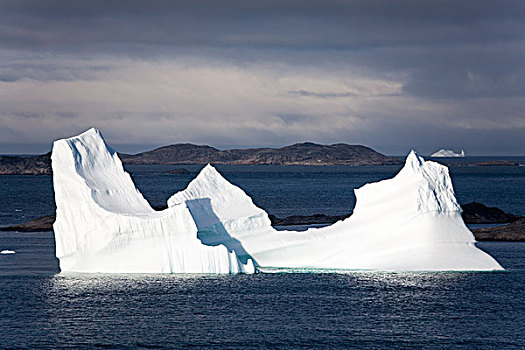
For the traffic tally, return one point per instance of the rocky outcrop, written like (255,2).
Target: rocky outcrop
(44,223)
(315,219)
(511,232)
(30,165)
(180,171)
(477,213)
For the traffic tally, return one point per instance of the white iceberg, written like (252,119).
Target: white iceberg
(446,153)
(7,251)
(411,222)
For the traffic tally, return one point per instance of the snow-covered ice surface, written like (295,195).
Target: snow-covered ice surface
(446,153)
(411,222)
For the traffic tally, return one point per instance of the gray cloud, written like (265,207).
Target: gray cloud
(264,72)
(321,94)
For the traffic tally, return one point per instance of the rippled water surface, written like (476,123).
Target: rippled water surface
(266,310)
(40,308)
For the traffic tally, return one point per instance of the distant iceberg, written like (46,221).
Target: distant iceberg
(411,222)
(7,251)
(446,153)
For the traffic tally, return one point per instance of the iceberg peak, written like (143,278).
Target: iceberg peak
(209,168)
(224,200)
(435,189)
(414,161)
(92,133)
(91,130)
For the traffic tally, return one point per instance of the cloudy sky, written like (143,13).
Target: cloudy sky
(393,75)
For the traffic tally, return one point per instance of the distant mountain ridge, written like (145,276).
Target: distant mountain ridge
(306,153)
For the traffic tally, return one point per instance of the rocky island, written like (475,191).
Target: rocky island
(306,153)
(514,231)
(298,154)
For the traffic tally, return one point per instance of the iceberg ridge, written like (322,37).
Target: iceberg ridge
(411,222)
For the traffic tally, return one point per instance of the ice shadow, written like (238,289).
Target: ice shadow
(211,231)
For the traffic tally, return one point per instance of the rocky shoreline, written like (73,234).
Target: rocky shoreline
(473,213)
(30,165)
(43,223)
(514,232)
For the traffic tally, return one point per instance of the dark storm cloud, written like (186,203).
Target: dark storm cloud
(450,48)
(71,25)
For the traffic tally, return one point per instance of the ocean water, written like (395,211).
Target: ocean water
(41,308)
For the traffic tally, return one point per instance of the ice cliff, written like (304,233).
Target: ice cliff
(411,222)
(442,153)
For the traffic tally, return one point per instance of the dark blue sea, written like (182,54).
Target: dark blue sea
(41,308)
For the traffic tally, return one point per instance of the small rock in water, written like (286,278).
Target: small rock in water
(7,251)
(180,171)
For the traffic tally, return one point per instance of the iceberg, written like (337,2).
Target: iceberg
(446,153)
(7,251)
(411,222)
